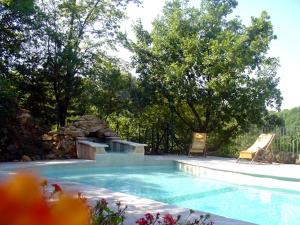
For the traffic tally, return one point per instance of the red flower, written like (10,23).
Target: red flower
(169,220)
(57,188)
(142,221)
(149,217)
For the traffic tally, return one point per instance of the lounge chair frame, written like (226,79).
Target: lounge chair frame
(268,147)
(204,152)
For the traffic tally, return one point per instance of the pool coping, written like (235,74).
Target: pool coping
(285,172)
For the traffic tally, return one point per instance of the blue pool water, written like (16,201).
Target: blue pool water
(168,184)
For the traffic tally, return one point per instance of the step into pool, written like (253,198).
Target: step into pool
(168,184)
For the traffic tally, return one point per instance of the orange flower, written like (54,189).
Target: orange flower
(70,211)
(22,203)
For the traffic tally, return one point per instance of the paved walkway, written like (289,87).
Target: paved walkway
(280,171)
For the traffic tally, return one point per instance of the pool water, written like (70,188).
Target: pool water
(170,185)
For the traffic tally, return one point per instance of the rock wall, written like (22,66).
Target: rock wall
(62,143)
(20,138)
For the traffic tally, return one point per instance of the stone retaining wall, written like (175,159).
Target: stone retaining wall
(62,143)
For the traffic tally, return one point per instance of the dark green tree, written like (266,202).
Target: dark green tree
(111,88)
(14,23)
(213,71)
(61,49)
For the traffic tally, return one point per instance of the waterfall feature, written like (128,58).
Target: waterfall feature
(111,152)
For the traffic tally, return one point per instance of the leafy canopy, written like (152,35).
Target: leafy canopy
(213,71)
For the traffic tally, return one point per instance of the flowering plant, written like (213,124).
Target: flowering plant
(101,214)
(168,219)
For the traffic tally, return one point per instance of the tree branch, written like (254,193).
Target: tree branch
(196,114)
(183,119)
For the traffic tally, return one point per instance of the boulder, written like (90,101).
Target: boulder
(47,137)
(99,134)
(96,128)
(55,137)
(36,157)
(25,158)
(66,145)
(285,157)
(88,117)
(50,156)
(24,117)
(47,146)
(110,134)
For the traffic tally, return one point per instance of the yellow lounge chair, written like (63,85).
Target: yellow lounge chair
(199,144)
(262,143)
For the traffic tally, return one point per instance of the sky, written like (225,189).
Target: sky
(285,17)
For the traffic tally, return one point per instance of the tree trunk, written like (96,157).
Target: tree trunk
(62,108)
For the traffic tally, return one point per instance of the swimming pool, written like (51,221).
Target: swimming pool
(168,184)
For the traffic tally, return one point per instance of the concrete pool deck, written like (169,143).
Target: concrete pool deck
(280,171)
(286,176)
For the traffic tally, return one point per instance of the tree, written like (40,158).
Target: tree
(14,20)
(61,50)
(291,118)
(109,87)
(212,70)
(8,103)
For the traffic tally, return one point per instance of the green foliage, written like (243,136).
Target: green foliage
(198,70)
(111,88)
(55,48)
(273,120)
(8,104)
(213,71)
(101,214)
(72,32)
(25,6)
(291,117)
(285,125)
(13,23)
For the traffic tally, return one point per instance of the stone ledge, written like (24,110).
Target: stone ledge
(93,144)
(128,147)
(129,143)
(88,149)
